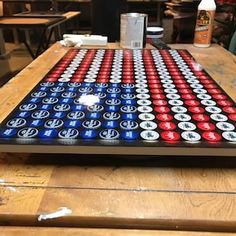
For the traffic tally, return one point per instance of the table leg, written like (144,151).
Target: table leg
(41,42)
(27,36)
(29,49)
(48,39)
(15,37)
(45,40)
(2,45)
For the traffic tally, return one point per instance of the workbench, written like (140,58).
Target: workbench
(109,191)
(46,25)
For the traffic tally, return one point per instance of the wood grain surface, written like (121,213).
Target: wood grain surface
(19,21)
(39,231)
(24,22)
(116,191)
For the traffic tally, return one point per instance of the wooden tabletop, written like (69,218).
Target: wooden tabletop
(24,21)
(116,191)
(53,231)
(27,21)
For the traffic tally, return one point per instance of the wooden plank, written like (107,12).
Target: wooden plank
(147,178)
(27,21)
(20,21)
(71,14)
(119,208)
(111,172)
(24,231)
(15,171)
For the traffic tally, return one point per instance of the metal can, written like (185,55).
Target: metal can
(133,30)
(154,33)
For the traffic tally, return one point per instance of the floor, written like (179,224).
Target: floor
(17,58)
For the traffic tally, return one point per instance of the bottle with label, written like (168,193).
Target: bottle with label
(204,23)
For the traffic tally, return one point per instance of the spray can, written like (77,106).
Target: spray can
(204,23)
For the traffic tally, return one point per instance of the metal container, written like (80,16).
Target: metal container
(133,30)
(154,34)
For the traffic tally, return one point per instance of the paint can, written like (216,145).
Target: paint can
(133,30)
